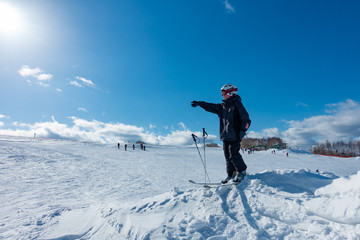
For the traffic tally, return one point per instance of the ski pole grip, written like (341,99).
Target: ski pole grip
(194,137)
(204,133)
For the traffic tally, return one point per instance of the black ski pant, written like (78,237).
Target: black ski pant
(234,160)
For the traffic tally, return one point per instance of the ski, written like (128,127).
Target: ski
(221,185)
(214,185)
(202,183)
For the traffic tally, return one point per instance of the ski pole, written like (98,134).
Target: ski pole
(195,138)
(205,135)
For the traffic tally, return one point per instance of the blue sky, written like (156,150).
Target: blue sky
(111,66)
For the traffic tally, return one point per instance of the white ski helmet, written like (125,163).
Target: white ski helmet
(230,89)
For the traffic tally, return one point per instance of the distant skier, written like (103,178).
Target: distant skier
(125,147)
(234,122)
(118,145)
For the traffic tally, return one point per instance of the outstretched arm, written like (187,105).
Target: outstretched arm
(210,107)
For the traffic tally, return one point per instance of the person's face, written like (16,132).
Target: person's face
(224,95)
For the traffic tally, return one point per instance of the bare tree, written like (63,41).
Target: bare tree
(339,148)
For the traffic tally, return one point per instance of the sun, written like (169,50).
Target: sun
(10,19)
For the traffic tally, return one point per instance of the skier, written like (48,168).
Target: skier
(234,122)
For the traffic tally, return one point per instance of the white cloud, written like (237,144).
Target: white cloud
(43,84)
(76,84)
(1,117)
(341,122)
(85,81)
(82,109)
(228,7)
(29,82)
(82,82)
(182,125)
(300,104)
(265,133)
(96,131)
(44,77)
(36,74)
(26,71)
(180,137)
(58,90)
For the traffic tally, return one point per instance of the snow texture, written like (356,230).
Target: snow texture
(52,189)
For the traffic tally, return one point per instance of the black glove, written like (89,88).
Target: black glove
(195,103)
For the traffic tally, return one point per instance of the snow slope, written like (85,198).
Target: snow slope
(52,189)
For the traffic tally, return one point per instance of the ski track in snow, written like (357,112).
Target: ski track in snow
(54,189)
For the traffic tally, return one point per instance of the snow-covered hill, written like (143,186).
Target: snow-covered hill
(52,189)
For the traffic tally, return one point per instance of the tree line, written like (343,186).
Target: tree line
(258,143)
(263,143)
(339,148)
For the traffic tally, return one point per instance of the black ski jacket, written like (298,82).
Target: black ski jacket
(232,115)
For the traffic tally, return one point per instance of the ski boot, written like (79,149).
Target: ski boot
(239,176)
(227,179)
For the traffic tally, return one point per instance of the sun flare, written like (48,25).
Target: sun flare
(10,19)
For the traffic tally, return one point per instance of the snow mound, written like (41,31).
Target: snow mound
(267,205)
(339,201)
(74,223)
(293,181)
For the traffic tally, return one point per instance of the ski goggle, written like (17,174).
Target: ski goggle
(223,92)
